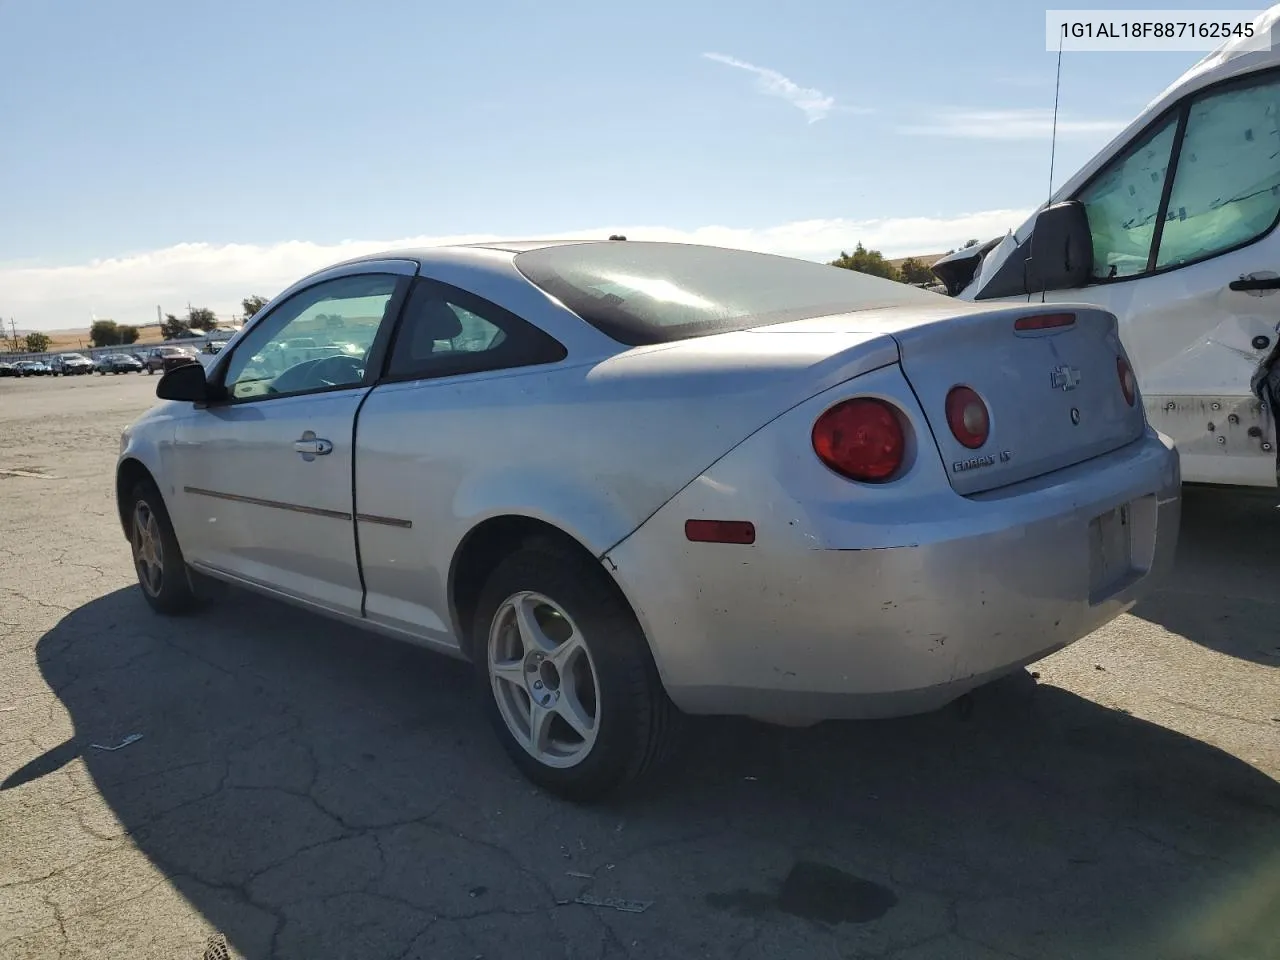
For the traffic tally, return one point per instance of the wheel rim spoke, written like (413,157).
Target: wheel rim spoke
(564,655)
(153,533)
(540,727)
(571,710)
(531,633)
(512,671)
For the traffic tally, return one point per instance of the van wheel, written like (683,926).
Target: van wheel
(566,675)
(157,558)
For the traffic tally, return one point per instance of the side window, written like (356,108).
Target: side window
(1226,190)
(318,339)
(446,331)
(1123,204)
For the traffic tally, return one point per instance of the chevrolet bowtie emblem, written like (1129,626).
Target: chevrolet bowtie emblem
(1064,377)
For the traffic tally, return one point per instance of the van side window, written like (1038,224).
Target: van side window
(1123,204)
(1226,190)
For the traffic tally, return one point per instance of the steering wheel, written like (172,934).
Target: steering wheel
(339,369)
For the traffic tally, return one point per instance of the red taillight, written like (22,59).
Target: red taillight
(860,439)
(967,416)
(1128,383)
(1044,321)
(720,531)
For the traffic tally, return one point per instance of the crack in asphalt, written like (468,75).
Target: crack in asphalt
(75,653)
(1225,715)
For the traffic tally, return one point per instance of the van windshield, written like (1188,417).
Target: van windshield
(644,293)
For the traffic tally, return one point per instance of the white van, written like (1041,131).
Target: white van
(1172,227)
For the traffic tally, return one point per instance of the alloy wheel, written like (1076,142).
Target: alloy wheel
(544,680)
(148,552)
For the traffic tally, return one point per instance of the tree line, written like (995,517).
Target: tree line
(911,270)
(107,333)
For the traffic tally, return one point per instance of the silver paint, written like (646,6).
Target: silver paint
(854,600)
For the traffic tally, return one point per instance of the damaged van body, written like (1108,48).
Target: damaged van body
(1172,227)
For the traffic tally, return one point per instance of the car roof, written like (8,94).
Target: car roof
(427,254)
(523,246)
(435,254)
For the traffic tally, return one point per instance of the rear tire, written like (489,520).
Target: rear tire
(157,557)
(551,625)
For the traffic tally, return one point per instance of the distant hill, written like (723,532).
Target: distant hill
(928,259)
(79,339)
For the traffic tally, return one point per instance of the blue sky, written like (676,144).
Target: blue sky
(155,152)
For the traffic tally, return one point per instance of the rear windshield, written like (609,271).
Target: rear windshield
(643,293)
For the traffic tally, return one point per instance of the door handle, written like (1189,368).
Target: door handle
(311,446)
(1263,283)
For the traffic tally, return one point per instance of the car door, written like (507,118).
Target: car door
(1186,254)
(264,473)
(454,366)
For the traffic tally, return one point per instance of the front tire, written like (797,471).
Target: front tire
(567,678)
(157,557)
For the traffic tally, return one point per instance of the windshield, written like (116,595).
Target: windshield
(643,293)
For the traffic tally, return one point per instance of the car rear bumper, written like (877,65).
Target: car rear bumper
(843,609)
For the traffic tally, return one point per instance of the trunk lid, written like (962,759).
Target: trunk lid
(1053,395)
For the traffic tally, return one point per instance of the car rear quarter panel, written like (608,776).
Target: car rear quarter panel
(865,600)
(584,448)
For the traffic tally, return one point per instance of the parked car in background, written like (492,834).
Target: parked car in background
(32,368)
(119,363)
(7,369)
(70,364)
(160,359)
(629,481)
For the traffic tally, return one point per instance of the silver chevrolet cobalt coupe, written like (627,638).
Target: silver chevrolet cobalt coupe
(630,481)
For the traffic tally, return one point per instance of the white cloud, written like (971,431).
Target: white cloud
(814,104)
(128,288)
(1031,124)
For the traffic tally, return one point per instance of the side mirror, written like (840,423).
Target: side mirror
(1061,249)
(184,382)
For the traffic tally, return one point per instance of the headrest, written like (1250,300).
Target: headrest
(434,320)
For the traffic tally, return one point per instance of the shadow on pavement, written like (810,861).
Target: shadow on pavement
(315,792)
(1225,590)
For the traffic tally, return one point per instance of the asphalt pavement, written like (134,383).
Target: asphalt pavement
(259,782)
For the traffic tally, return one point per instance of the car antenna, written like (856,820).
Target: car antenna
(1053,137)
